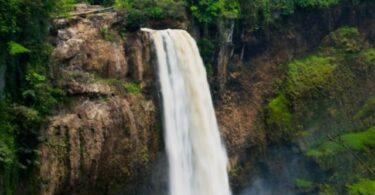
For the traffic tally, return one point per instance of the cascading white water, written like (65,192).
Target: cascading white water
(197,158)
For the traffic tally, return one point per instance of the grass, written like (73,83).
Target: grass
(133,87)
(121,85)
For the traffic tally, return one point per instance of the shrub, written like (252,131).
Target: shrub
(354,141)
(366,60)
(317,3)
(63,7)
(16,48)
(39,94)
(7,143)
(107,34)
(261,13)
(279,119)
(311,73)
(206,49)
(363,187)
(368,110)
(303,184)
(140,12)
(206,11)
(346,39)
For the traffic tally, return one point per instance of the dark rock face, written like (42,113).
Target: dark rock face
(104,139)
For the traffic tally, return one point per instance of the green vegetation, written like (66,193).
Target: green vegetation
(108,35)
(28,97)
(354,141)
(303,184)
(279,118)
(260,13)
(366,59)
(133,87)
(363,187)
(308,101)
(368,110)
(311,73)
(207,11)
(369,56)
(141,12)
(122,86)
(318,99)
(15,48)
(345,39)
(207,49)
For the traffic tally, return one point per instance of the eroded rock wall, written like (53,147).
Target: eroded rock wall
(105,136)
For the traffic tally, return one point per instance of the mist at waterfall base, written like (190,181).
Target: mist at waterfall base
(277,172)
(197,160)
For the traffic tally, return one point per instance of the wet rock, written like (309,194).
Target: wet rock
(104,139)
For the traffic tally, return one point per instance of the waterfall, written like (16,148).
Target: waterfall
(196,157)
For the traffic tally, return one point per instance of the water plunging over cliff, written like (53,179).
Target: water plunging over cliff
(197,159)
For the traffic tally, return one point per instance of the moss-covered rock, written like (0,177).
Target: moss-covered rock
(279,118)
(311,73)
(325,98)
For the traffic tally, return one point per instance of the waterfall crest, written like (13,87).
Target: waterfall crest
(197,158)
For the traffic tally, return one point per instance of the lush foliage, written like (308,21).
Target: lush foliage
(140,12)
(311,73)
(363,187)
(279,117)
(368,110)
(303,184)
(28,97)
(259,13)
(207,11)
(355,141)
(332,123)
(207,49)
(16,48)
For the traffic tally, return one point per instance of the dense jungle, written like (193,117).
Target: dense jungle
(84,108)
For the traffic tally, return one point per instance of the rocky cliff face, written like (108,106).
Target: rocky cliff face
(106,134)
(257,67)
(105,137)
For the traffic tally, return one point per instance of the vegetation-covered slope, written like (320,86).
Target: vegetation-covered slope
(325,103)
(323,106)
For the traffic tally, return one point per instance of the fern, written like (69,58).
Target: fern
(16,48)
